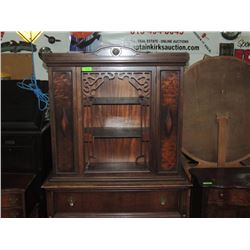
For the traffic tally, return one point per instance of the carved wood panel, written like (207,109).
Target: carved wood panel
(139,80)
(63,107)
(169,119)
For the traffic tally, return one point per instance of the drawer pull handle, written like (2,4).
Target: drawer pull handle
(163,201)
(71,202)
(9,142)
(12,200)
(221,195)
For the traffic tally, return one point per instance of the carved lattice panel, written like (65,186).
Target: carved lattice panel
(92,81)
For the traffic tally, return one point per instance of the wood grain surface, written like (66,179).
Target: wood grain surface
(212,87)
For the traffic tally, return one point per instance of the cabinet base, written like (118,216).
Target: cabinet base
(118,215)
(117,199)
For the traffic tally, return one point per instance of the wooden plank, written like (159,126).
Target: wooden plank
(116,132)
(222,138)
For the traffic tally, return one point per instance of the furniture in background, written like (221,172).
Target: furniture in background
(216,112)
(220,192)
(19,195)
(25,143)
(116,122)
(216,136)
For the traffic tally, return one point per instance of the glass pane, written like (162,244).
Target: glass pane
(116,118)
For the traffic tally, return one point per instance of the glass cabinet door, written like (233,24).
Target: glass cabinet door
(116,120)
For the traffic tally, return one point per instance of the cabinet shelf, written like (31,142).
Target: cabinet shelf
(118,100)
(117,167)
(111,132)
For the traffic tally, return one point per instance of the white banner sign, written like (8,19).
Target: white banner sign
(191,42)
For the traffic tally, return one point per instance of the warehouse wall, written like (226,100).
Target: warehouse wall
(197,44)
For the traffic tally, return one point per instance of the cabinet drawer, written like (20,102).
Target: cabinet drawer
(116,202)
(17,140)
(18,152)
(12,213)
(18,158)
(215,211)
(235,197)
(11,200)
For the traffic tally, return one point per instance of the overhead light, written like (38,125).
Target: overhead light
(29,36)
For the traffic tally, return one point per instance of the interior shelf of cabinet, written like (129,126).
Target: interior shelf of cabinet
(118,132)
(116,167)
(117,100)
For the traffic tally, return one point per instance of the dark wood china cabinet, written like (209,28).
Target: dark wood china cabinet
(116,121)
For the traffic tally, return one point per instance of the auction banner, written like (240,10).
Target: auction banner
(165,41)
(197,43)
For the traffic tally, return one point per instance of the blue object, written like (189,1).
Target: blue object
(43,98)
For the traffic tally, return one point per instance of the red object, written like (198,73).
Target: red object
(80,35)
(243,54)
(2,34)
